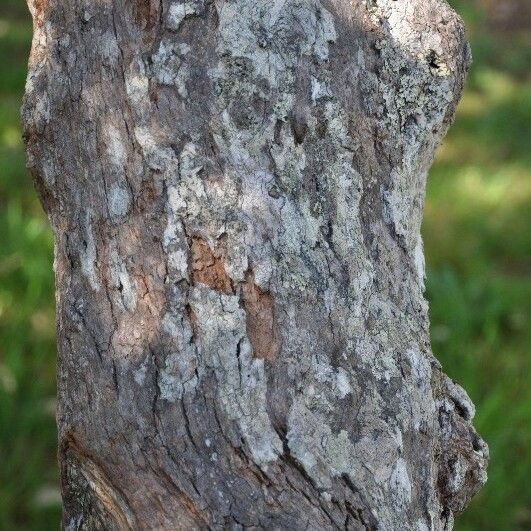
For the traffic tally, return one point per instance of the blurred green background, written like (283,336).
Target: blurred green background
(477,235)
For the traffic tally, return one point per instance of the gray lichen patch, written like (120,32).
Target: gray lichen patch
(122,281)
(322,454)
(169,68)
(180,372)
(224,347)
(88,256)
(119,202)
(249,29)
(179,11)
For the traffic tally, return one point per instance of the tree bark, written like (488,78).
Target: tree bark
(236,190)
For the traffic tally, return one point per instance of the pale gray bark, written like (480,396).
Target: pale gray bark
(236,189)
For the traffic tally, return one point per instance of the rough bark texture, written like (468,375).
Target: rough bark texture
(236,189)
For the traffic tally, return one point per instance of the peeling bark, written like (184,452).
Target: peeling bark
(236,190)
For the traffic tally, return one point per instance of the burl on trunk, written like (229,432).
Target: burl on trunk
(236,190)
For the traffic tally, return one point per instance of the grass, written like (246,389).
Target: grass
(478,249)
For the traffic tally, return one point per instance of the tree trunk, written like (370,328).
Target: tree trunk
(236,189)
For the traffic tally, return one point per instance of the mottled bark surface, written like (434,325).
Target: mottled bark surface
(236,189)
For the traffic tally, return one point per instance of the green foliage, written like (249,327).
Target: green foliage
(478,250)
(477,239)
(28,468)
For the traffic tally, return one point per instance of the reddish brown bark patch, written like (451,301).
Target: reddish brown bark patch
(208,267)
(145,12)
(39,6)
(38,10)
(260,318)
